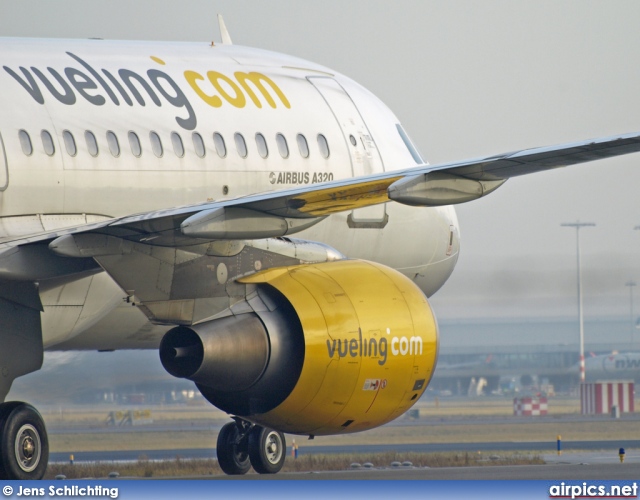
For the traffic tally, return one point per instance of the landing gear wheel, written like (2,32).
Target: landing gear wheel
(267,450)
(232,450)
(24,453)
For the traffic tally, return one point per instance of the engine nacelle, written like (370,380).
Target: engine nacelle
(341,347)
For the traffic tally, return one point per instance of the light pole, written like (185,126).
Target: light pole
(631,284)
(579,225)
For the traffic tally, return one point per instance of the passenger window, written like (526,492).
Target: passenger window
(178,147)
(261,142)
(282,145)
(114,145)
(198,144)
(241,146)
(323,145)
(25,142)
(303,146)
(47,143)
(156,144)
(221,148)
(69,143)
(134,142)
(92,144)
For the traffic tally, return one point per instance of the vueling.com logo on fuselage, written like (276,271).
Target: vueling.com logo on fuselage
(373,348)
(96,87)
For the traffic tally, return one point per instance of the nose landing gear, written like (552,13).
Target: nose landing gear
(242,445)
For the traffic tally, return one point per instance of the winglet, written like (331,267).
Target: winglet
(226,38)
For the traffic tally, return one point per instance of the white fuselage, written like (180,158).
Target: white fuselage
(192,97)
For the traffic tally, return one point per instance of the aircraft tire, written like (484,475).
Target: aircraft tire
(267,450)
(24,454)
(232,456)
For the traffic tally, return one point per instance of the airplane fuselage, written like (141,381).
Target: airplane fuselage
(92,129)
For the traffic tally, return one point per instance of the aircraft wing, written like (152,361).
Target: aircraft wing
(283,212)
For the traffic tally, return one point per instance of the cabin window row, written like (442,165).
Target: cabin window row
(219,144)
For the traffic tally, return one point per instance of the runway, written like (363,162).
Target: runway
(575,466)
(564,472)
(584,465)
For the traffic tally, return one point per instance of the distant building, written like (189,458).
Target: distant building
(539,351)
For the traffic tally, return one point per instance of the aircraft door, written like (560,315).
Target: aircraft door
(4,167)
(365,157)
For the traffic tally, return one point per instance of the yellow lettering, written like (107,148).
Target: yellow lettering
(192,77)
(239,101)
(229,90)
(257,80)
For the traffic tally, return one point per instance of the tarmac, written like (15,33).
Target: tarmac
(571,466)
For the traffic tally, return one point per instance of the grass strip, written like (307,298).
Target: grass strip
(306,463)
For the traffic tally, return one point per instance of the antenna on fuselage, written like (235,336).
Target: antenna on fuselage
(224,33)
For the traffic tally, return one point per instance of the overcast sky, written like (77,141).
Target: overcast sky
(467,79)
